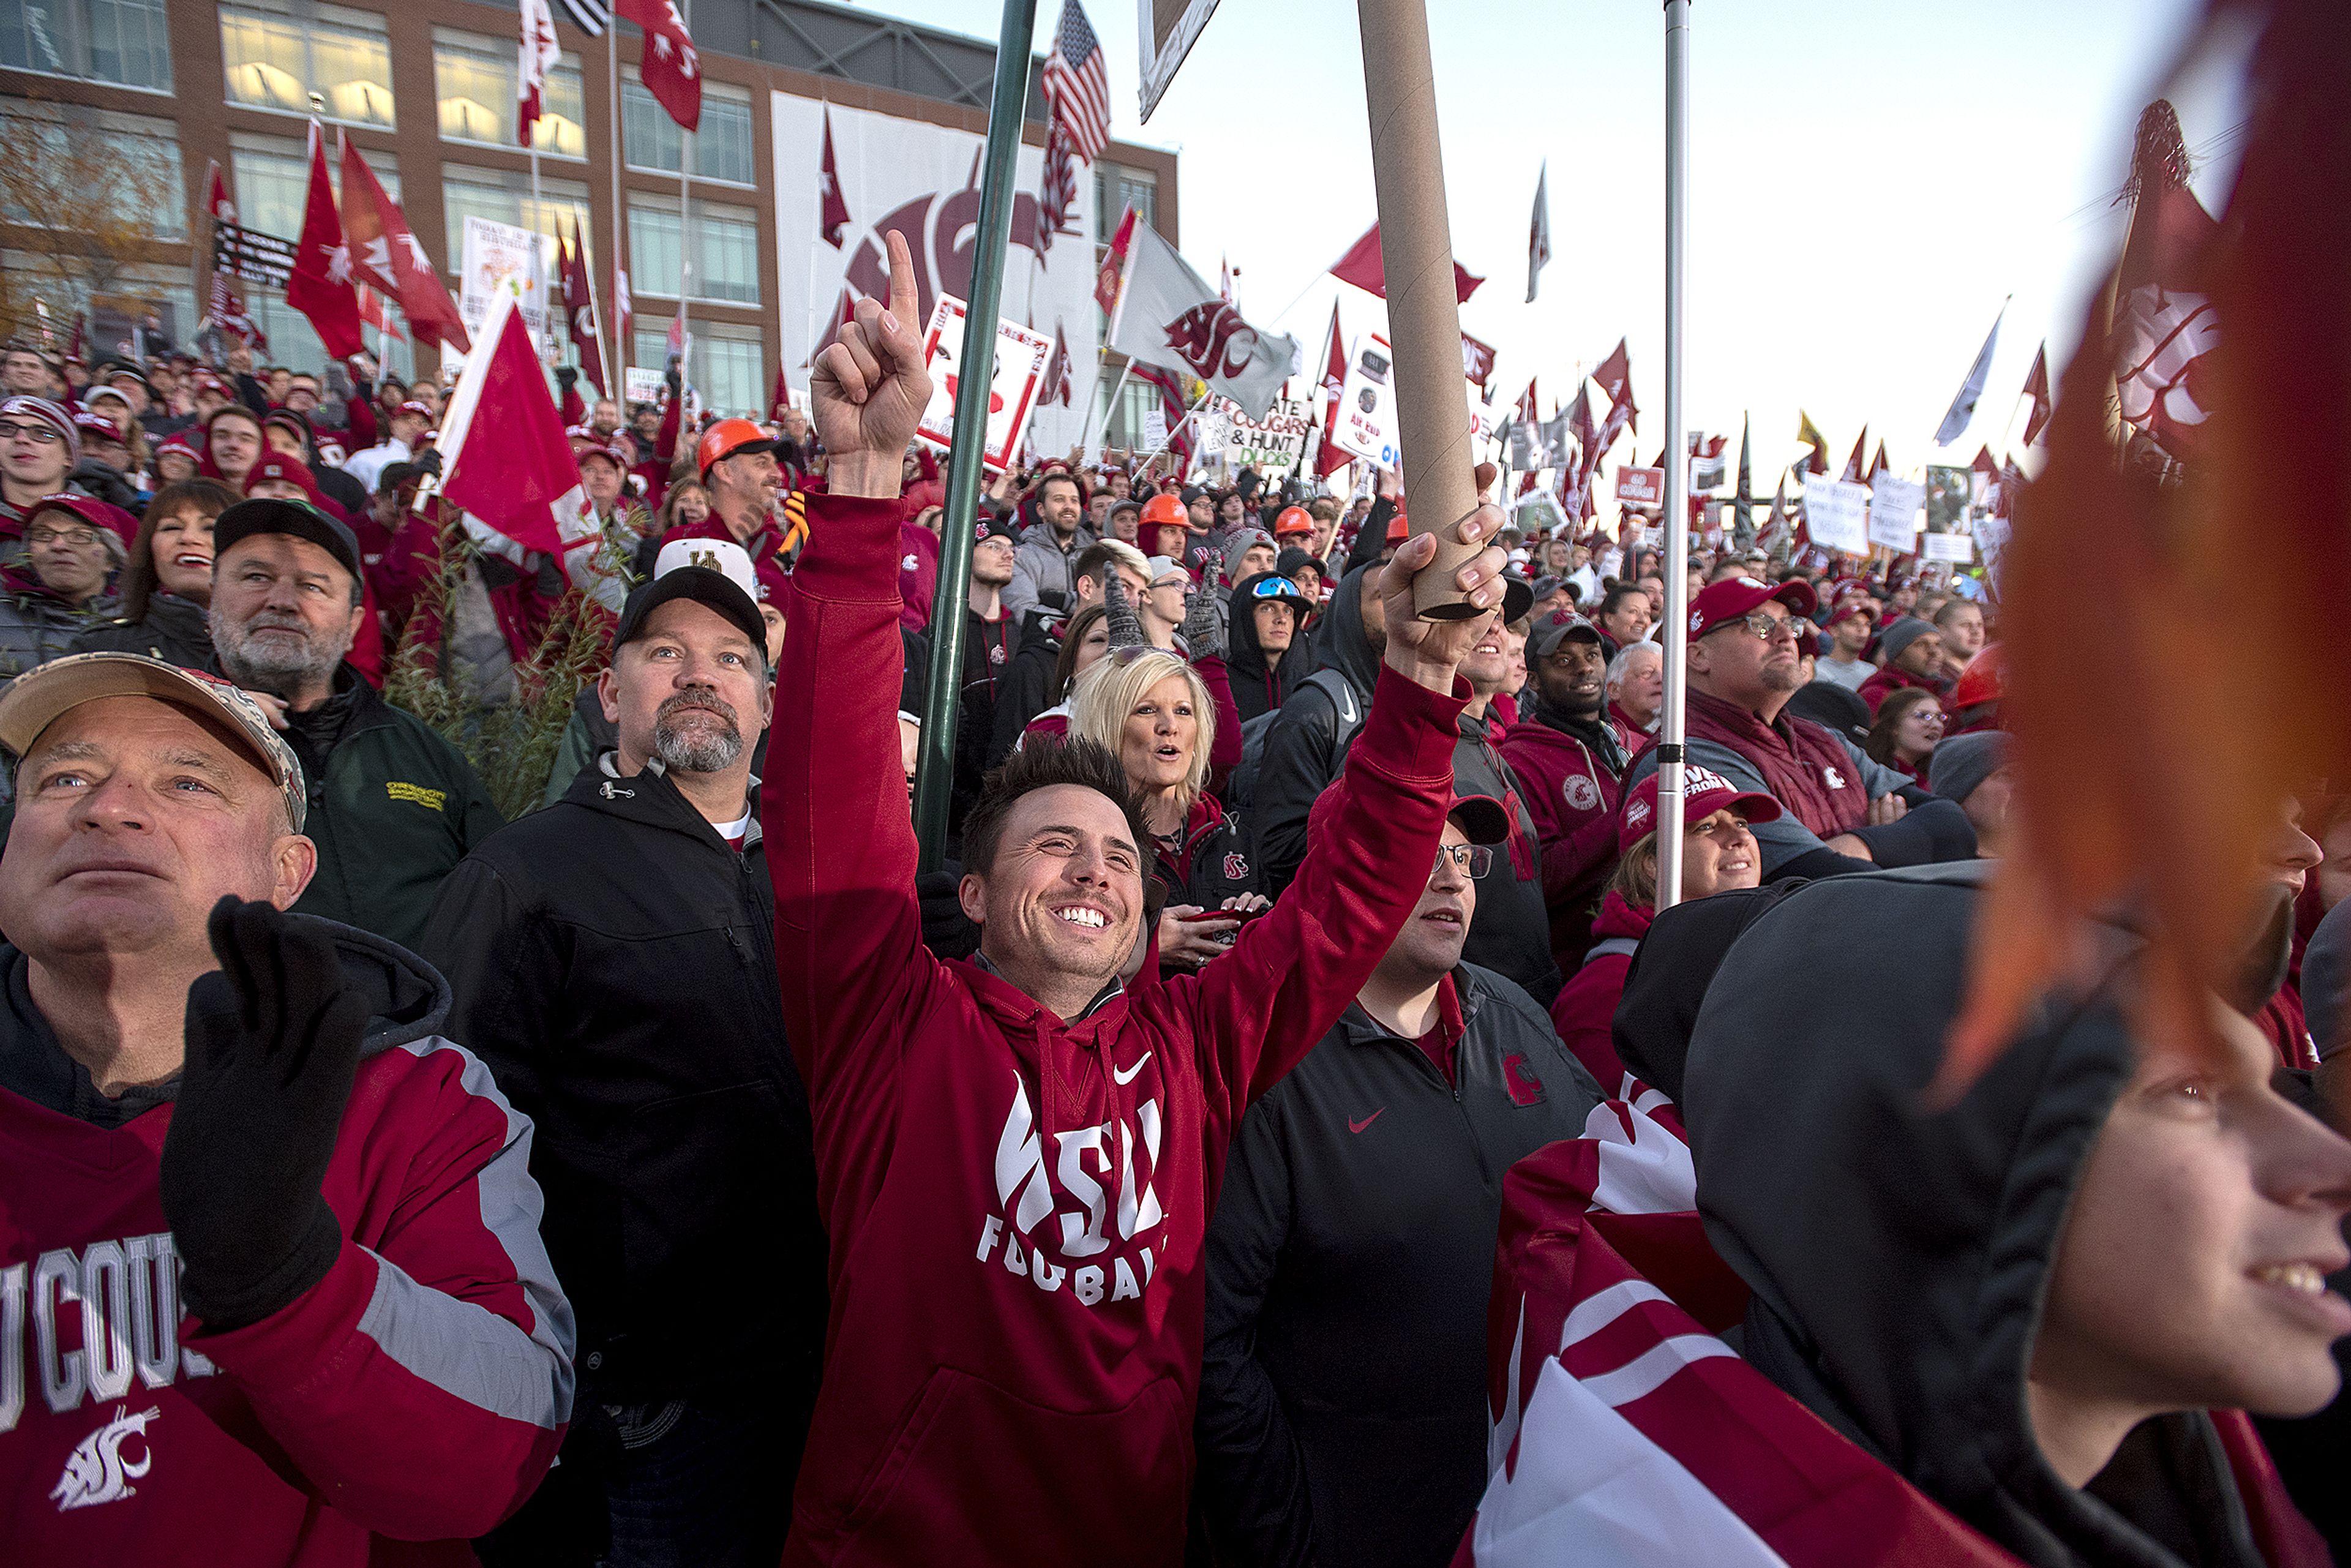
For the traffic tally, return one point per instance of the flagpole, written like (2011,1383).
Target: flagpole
(1169,439)
(616,367)
(1676,629)
(1007,107)
(684,241)
(1085,436)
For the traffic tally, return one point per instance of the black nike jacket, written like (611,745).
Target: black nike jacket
(1343,1396)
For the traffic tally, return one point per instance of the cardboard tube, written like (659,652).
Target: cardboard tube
(1424,316)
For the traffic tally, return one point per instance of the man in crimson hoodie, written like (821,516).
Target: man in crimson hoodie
(1017,1156)
(1566,754)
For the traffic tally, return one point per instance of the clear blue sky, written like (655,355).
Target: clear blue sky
(1867,181)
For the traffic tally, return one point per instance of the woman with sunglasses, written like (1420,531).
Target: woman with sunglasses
(1718,855)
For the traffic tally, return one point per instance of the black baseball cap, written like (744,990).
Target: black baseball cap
(705,570)
(261,514)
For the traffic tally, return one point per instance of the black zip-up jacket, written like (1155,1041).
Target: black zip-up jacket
(1342,1395)
(174,630)
(1259,686)
(1307,744)
(1026,688)
(613,962)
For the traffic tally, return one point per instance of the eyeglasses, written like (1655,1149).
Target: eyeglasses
(38,434)
(1475,859)
(81,538)
(1761,625)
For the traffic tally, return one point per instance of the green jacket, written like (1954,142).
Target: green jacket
(393,810)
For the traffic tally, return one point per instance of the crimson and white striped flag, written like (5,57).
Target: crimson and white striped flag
(540,54)
(1077,83)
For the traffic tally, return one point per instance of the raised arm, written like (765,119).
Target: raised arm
(1261,1007)
(839,844)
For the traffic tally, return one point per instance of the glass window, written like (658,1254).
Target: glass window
(115,174)
(1117,188)
(118,41)
(725,363)
(503,197)
(725,251)
(294,341)
(473,82)
(722,148)
(277,54)
(269,179)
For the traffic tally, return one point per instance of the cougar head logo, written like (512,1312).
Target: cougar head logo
(95,1471)
(941,229)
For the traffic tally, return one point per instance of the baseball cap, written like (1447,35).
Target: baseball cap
(414,407)
(1734,598)
(1485,820)
(611,455)
(1704,792)
(1851,601)
(97,514)
(1517,596)
(1276,590)
(39,697)
(713,572)
(258,515)
(1556,628)
(98,424)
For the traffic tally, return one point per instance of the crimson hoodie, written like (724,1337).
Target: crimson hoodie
(1571,796)
(1016,1205)
(416,1394)
(1584,1012)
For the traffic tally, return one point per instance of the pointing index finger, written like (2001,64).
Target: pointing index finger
(904,294)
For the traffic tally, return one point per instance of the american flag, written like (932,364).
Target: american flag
(1077,84)
(1057,201)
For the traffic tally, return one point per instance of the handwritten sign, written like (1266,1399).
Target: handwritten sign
(1836,514)
(1641,487)
(1894,512)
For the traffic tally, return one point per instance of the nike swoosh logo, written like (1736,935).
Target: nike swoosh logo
(1355,1126)
(1127,1077)
(1347,703)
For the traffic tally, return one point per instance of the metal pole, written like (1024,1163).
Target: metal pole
(616,367)
(1086,437)
(538,216)
(1008,107)
(1677,626)
(685,246)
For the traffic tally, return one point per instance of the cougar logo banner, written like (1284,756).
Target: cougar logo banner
(1213,339)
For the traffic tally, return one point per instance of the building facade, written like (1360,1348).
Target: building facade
(726,217)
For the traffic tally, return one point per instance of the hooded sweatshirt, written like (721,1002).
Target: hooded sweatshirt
(1571,768)
(1898,1257)
(409,1400)
(1015,1204)
(1585,1008)
(1258,685)
(1304,748)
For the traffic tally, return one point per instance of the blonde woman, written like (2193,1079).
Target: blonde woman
(1160,718)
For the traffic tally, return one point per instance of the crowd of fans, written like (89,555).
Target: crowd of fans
(1126,1190)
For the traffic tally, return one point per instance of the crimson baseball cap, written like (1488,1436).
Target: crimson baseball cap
(1734,598)
(1854,600)
(97,514)
(1704,792)
(37,698)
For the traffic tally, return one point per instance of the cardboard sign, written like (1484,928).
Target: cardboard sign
(1367,411)
(1960,547)
(1019,374)
(1641,487)
(1277,441)
(501,256)
(641,385)
(1154,430)
(1894,512)
(1836,514)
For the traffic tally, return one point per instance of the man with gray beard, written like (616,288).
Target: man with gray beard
(393,806)
(613,957)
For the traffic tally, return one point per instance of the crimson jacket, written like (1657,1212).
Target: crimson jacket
(1570,792)
(414,1394)
(1016,1205)
(1889,680)
(1585,1012)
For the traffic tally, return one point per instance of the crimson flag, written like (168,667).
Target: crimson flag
(780,398)
(1173,409)
(320,284)
(1328,457)
(668,65)
(386,255)
(518,475)
(374,315)
(2164,325)
(1113,271)
(832,207)
(1363,267)
(1615,378)
(586,331)
(217,204)
(2036,387)
(1984,465)
(1878,463)
(1853,474)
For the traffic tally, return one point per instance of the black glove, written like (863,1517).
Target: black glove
(273,1039)
(427,461)
(947,932)
(564,375)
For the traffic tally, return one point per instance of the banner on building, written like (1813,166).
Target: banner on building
(503,257)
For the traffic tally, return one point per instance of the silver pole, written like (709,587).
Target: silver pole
(684,241)
(1677,626)
(547,349)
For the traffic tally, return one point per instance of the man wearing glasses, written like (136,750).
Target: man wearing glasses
(38,447)
(1841,811)
(1341,1414)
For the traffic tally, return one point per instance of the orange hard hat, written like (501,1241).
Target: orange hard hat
(1166,508)
(727,438)
(1292,520)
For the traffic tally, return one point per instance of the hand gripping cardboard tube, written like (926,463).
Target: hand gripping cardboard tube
(1424,316)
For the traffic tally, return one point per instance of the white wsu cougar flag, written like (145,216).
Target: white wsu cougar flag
(1169,316)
